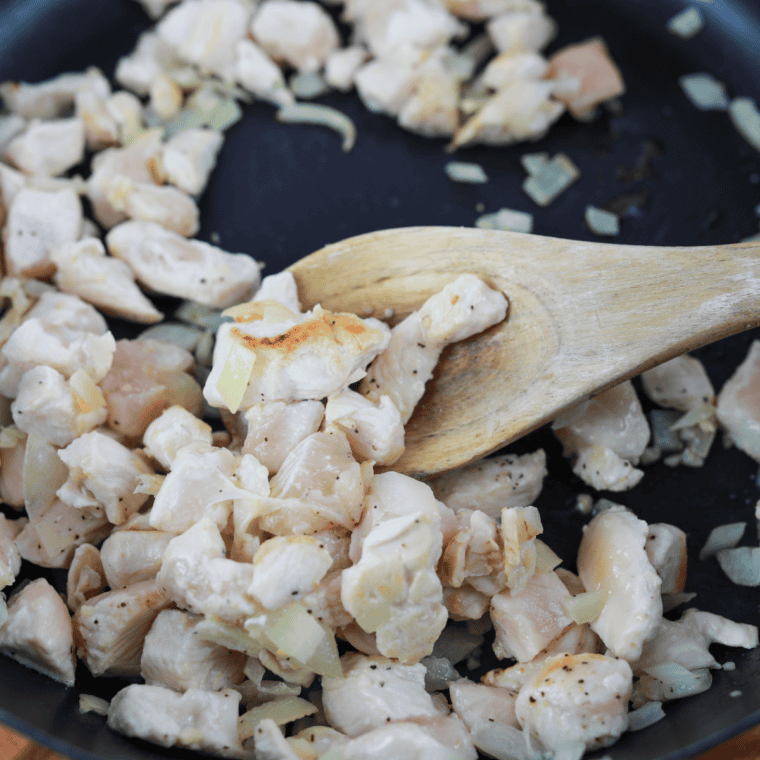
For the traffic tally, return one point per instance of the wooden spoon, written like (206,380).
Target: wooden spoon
(582,317)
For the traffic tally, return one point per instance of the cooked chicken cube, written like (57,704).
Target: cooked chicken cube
(187,159)
(577,698)
(38,221)
(257,73)
(150,58)
(433,108)
(385,84)
(104,126)
(325,600)
(48,148)
(342,64)
(38,632)
(476,703)
(84,270)
(165,97)
(375,691)
(738,411)
(519,528)
(508,480)
(168,263)
(301,34)
(12,473)
(666,549)
(86,577)
(147,376)
(463,308)
(282,288)
(110,628)
(476,549)
(522,28)
(200,720)
(171,431)
(275,429)
(10,559)
(508,67)
(465,603)
(133,556)
(612,557)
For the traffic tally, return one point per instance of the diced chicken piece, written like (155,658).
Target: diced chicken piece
(612,557)
(572,582)
(282,288)
(604,470)
(577,698)
(110,628)
(38,632)
(270,743)
(38,221)
(133,556)
(199,485)
(156,8)
(84,270)
(433,109)
(147,202)
(134,161)
(11,125)
(197,577)
(386,84)
(199,720)
(147,377)
(375,431)
(296,357)
(516,65)
(301,34)
(10,559)
(342,64)
(508,480)
(528,621)
(275,429)
(666,549)
(12,474)
(206,32)
(187,159)
(53,97)
(521,110)
(325,602)
(150,58)
(462,309)
(45,406)
(476,549)
(465,603)
(86,577)
(174,656)
(739,404)
(599,77)
(519,528)
(103,472)
(686,641)
(108,119)
(287,568)
(523,27)
(393,590)
(174,429)
(48,148)
(476,703)
(166,262)
(165,97)
(375,691)
(481,10)
(257,73)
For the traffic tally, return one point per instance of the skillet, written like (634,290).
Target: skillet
(280,192)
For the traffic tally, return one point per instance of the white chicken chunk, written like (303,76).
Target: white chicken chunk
(508,480)
(612,557)
(82,268)
(103,472)
(508,67)
(147,377)
(519,528)
(577,698)
(174,656)
(476,703)
(11,125)
(465,603)
(257,73)
(12,474)
(151,57)
(86,577)
(48,148)
(174,429)
(342,64)
(187,158)
(476,549)
(287,568)
(10,559)
(168,263)
(280,287)
(166,97)
(739,405)
(375,431)
(275,429)
(686,641)
(165,205)
(301,34)
(393,589)
(681,383)
(385,84)
(133,556)
(38,221)
(106,120)
(375,691)
(200,720)
(522,28)
(666,549)
(110,628)
(462,309)
(38,632)
(528,620)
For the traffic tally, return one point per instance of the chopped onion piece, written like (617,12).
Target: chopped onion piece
(552,180)
(308,85)
(200,315)
(741,565)
(705,92)
(43,474)
(462,171)
(602,222)
(149,484)
(650,713)
(91,703)
(546,559)
(281,711)
(746,119)
(723,537)
(686,23)
(680,682)
(534,163)
(695,416)
(506,219)
(236,372)
(314,113)
(569,751)
(170,332)
(502,741)
(87,394)
(219,632)
(729,665)
(439,673)
(294,631)
(10,437)
(586,607)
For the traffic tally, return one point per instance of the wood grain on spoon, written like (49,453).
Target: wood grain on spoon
(582,317)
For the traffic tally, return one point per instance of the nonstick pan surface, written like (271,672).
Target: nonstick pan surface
(280,192)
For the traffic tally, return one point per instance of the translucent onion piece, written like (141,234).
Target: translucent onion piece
(149,484)
(3,609)
(219,632)
(235,375)
(91,703)
(10,437)
(705,92)
(546,559)
(601,222)
(87,394)
(741,565)
(199,314)
(680,682)
(281,711)
(650,713)
(552,180)
(686,24)
(723,537)
(506,219)
(460,171)
(502,741)
(746,119)
(586,607)
(308,85)
(702,413)
(170,332)
(439,673)
(313,113)
(44,473)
